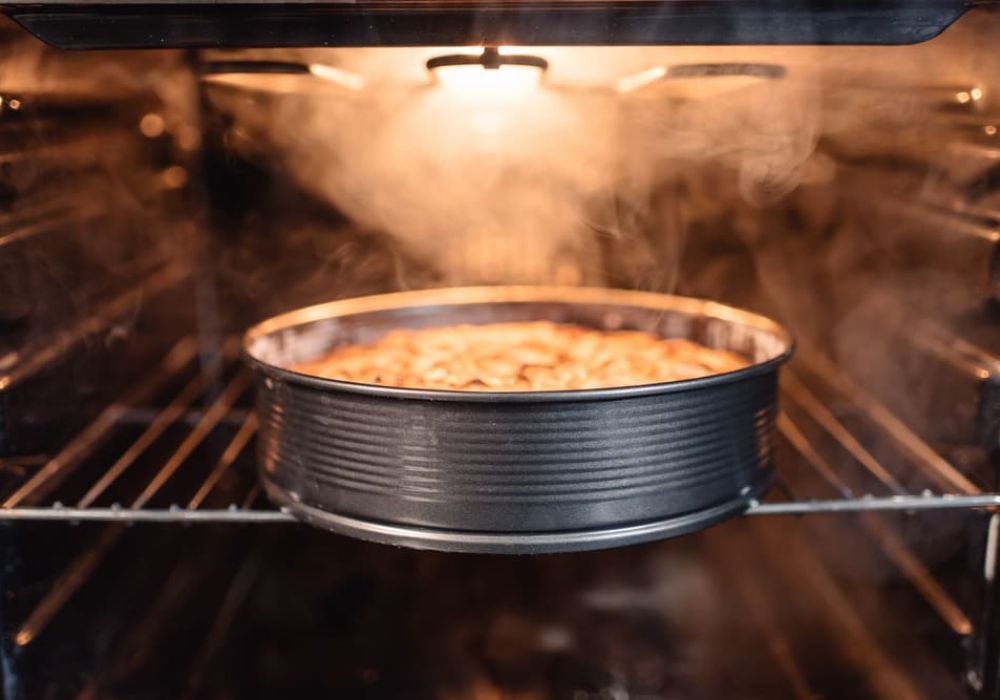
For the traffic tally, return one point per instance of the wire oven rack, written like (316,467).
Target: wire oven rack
(179,435)
(177,448)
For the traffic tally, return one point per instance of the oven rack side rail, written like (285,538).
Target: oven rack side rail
(907,503)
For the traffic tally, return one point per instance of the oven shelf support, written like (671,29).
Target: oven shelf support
(236,514)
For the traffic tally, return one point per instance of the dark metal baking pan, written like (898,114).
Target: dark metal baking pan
(515,472)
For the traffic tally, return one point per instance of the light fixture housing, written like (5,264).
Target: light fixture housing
(490,59)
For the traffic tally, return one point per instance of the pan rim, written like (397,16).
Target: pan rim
(459,296)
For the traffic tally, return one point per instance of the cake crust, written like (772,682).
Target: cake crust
(520,356)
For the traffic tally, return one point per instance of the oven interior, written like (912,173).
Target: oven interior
(155,203)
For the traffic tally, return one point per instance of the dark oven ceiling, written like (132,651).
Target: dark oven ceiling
(243,23)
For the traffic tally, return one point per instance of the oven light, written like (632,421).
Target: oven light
(281,76)
(976,94)
(494,73)
(694,80)
(963,97)
(474,80)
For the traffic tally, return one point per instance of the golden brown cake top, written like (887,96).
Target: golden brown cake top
(521,356)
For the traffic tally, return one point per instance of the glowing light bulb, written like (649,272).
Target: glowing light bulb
(478,82)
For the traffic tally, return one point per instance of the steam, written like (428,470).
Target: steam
(765,132)
(488,190)
(491,180)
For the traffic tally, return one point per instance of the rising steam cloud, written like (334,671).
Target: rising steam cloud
(492,190)
(511,183)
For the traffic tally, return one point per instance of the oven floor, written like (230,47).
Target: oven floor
(754,608)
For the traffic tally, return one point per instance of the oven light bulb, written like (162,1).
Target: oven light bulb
(495,74)
(476,81)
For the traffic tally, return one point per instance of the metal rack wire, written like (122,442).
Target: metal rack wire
(203,409)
